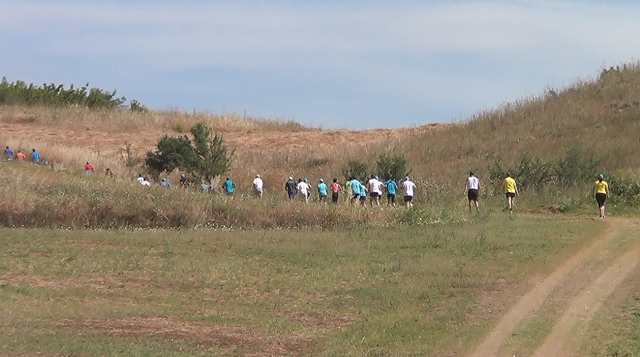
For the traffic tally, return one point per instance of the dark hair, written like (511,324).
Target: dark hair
(335,179)
(508,174)
(470,173)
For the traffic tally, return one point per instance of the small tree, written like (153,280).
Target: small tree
(577,167)
(356,169)
(170,154)
(212,159)
(392,167)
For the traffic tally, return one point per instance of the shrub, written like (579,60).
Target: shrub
(392,167)
(180,128)
(532,172)
(356,169)
(576,168)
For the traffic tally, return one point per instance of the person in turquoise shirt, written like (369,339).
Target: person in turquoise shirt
(322,191)
(391,186)
(229,186)
(355,189)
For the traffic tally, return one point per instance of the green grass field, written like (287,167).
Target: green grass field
(401,291)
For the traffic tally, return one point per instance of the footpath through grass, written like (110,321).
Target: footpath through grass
(401,291)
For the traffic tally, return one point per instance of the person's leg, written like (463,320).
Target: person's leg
(477,206)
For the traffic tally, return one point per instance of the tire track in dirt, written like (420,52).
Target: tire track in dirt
(566,336)
(532,300)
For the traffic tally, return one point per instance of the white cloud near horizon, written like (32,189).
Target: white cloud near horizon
(337,64)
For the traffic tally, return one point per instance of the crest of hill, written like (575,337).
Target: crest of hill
(600,115)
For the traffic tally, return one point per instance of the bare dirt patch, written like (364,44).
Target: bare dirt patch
(251,340)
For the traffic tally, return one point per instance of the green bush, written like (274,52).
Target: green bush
(576,168)
(624,191)
(392,167)
(356,169)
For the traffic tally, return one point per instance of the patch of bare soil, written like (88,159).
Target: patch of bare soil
(252,341)
(112,142)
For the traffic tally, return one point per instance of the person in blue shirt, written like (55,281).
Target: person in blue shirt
(35,156)
(8,153)
(391,186)
(164,183)
(322,191)
(355,189)
(229,186)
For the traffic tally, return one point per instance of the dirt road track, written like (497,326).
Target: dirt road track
(566,334)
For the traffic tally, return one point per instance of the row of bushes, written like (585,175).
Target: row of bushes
(19,93)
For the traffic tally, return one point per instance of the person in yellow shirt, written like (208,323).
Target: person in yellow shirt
(510,190)
(601,191)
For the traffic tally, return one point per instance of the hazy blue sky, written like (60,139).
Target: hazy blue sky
(338,64)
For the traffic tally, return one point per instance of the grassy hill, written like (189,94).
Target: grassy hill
(597,117)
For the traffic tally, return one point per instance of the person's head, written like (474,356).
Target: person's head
(470,173)
(183,176)
(335,179)
(290,178)
(508,174)
(139,175)
(305,180)
(7,147)
(601,177)
(87,162)
(164,179)
(108,169)
(299,180)
(373,176)
(406,178)
(321,180)
(228,179)
(34,150)
(257,176)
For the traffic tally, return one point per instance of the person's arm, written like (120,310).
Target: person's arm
(594,190)
(517,192)
(466,186)
(608,192)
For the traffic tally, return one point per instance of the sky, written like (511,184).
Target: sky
(332,64)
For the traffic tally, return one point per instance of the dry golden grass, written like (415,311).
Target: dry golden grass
(599,115)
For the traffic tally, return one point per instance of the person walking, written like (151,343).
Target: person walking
(88,169)
(8,153)
(355,185)
(20,155)
(303,188)
(164,183)
(375,190)
(510,190)
(601,192)
(409,188)
(258,186)
(322,192)
(229,187)
(391,187)
(335,190)
(35,156)
(472,188)
(291,187)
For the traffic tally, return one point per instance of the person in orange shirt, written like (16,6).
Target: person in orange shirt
(88,169)
(20,155)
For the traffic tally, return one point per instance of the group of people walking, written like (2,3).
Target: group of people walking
(472,189)
(20,156)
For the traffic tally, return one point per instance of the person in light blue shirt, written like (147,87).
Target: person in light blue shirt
(391,186)
(355,189)
(164,183)
(322,191)
(35,156)
(229,186)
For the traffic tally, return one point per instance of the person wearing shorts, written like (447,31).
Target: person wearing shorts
(510,190)
(335,190)
(472,188)
(322,191)
(355,189)
(391,187)
(409,187)
(601,191)
(363,195)
(375,190)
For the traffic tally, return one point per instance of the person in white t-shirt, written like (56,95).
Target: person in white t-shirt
(375,190)
(258,186)
(409,187)
(140,179)
(303,188)
(472,188)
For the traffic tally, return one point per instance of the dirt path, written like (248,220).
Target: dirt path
(565,335)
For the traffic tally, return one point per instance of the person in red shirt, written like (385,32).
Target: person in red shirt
(20,155)
(335,189)
(88,169)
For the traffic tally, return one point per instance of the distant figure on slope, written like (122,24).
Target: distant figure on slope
(472,188)
(335,190)
(258,186)
(409,188)
(140,179)
(510,190)
(322,191)
(184,181)
(601,191)
(8,153)
(88,169)
(20,155)
(145,182)
(164,183)
(363,195)
(391,187)
(109,173)
(35,156)
(375,190)
(303,189)
(229,187)
(291,187)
